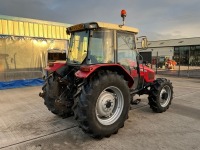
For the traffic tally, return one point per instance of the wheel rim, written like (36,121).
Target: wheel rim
(165,96)
(109,106)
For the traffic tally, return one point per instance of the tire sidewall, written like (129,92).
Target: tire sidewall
(98,87)
(158,97)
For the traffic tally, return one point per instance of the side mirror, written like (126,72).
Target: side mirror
(144,43)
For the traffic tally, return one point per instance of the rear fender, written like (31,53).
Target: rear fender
(59,67)
(53,66)
(112,67)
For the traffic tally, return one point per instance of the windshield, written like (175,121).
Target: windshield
(78,47)
(101,47)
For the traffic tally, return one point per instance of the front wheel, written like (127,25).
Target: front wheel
(161,95)
(103,105)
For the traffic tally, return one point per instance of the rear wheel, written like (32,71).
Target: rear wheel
(52,92)
(161,95)
(103,105)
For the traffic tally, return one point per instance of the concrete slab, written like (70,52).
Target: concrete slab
(23,117)
(25,123)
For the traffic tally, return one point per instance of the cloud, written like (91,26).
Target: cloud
(155,18)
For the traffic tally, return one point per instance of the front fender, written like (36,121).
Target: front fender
(86,71)
(147,73)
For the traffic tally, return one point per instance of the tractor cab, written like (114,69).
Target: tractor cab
(100,43)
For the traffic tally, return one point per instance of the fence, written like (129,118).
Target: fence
(177,69)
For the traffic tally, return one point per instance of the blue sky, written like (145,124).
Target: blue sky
(158,19)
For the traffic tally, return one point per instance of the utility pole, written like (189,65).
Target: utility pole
(157,62)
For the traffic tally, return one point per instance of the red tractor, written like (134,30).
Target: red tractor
(100,78)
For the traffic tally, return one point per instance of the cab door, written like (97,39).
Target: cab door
(127,54)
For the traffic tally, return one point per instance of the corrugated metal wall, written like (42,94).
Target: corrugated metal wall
(31,29)
(24,43)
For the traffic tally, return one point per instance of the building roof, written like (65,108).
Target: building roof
(16,26)
(174,42)
(4,17)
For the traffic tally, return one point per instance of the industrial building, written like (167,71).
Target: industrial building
(24,44)
(185,51)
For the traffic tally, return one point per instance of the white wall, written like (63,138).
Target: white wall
(164,51)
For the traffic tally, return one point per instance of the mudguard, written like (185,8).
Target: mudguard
(86,71)
(53,66)
(147,73)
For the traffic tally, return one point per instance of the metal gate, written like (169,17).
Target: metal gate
(185,62)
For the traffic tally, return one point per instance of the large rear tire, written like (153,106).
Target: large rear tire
(51,93)
(103,105)
(161,95)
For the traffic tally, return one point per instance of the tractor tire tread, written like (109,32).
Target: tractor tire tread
(154,95)
(84,100)
(49,102)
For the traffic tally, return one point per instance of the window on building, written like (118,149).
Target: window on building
(195,56)
(187,55)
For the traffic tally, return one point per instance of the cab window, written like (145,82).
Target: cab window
(126,49)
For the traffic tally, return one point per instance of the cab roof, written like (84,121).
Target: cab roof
(117,27)
(89,25)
